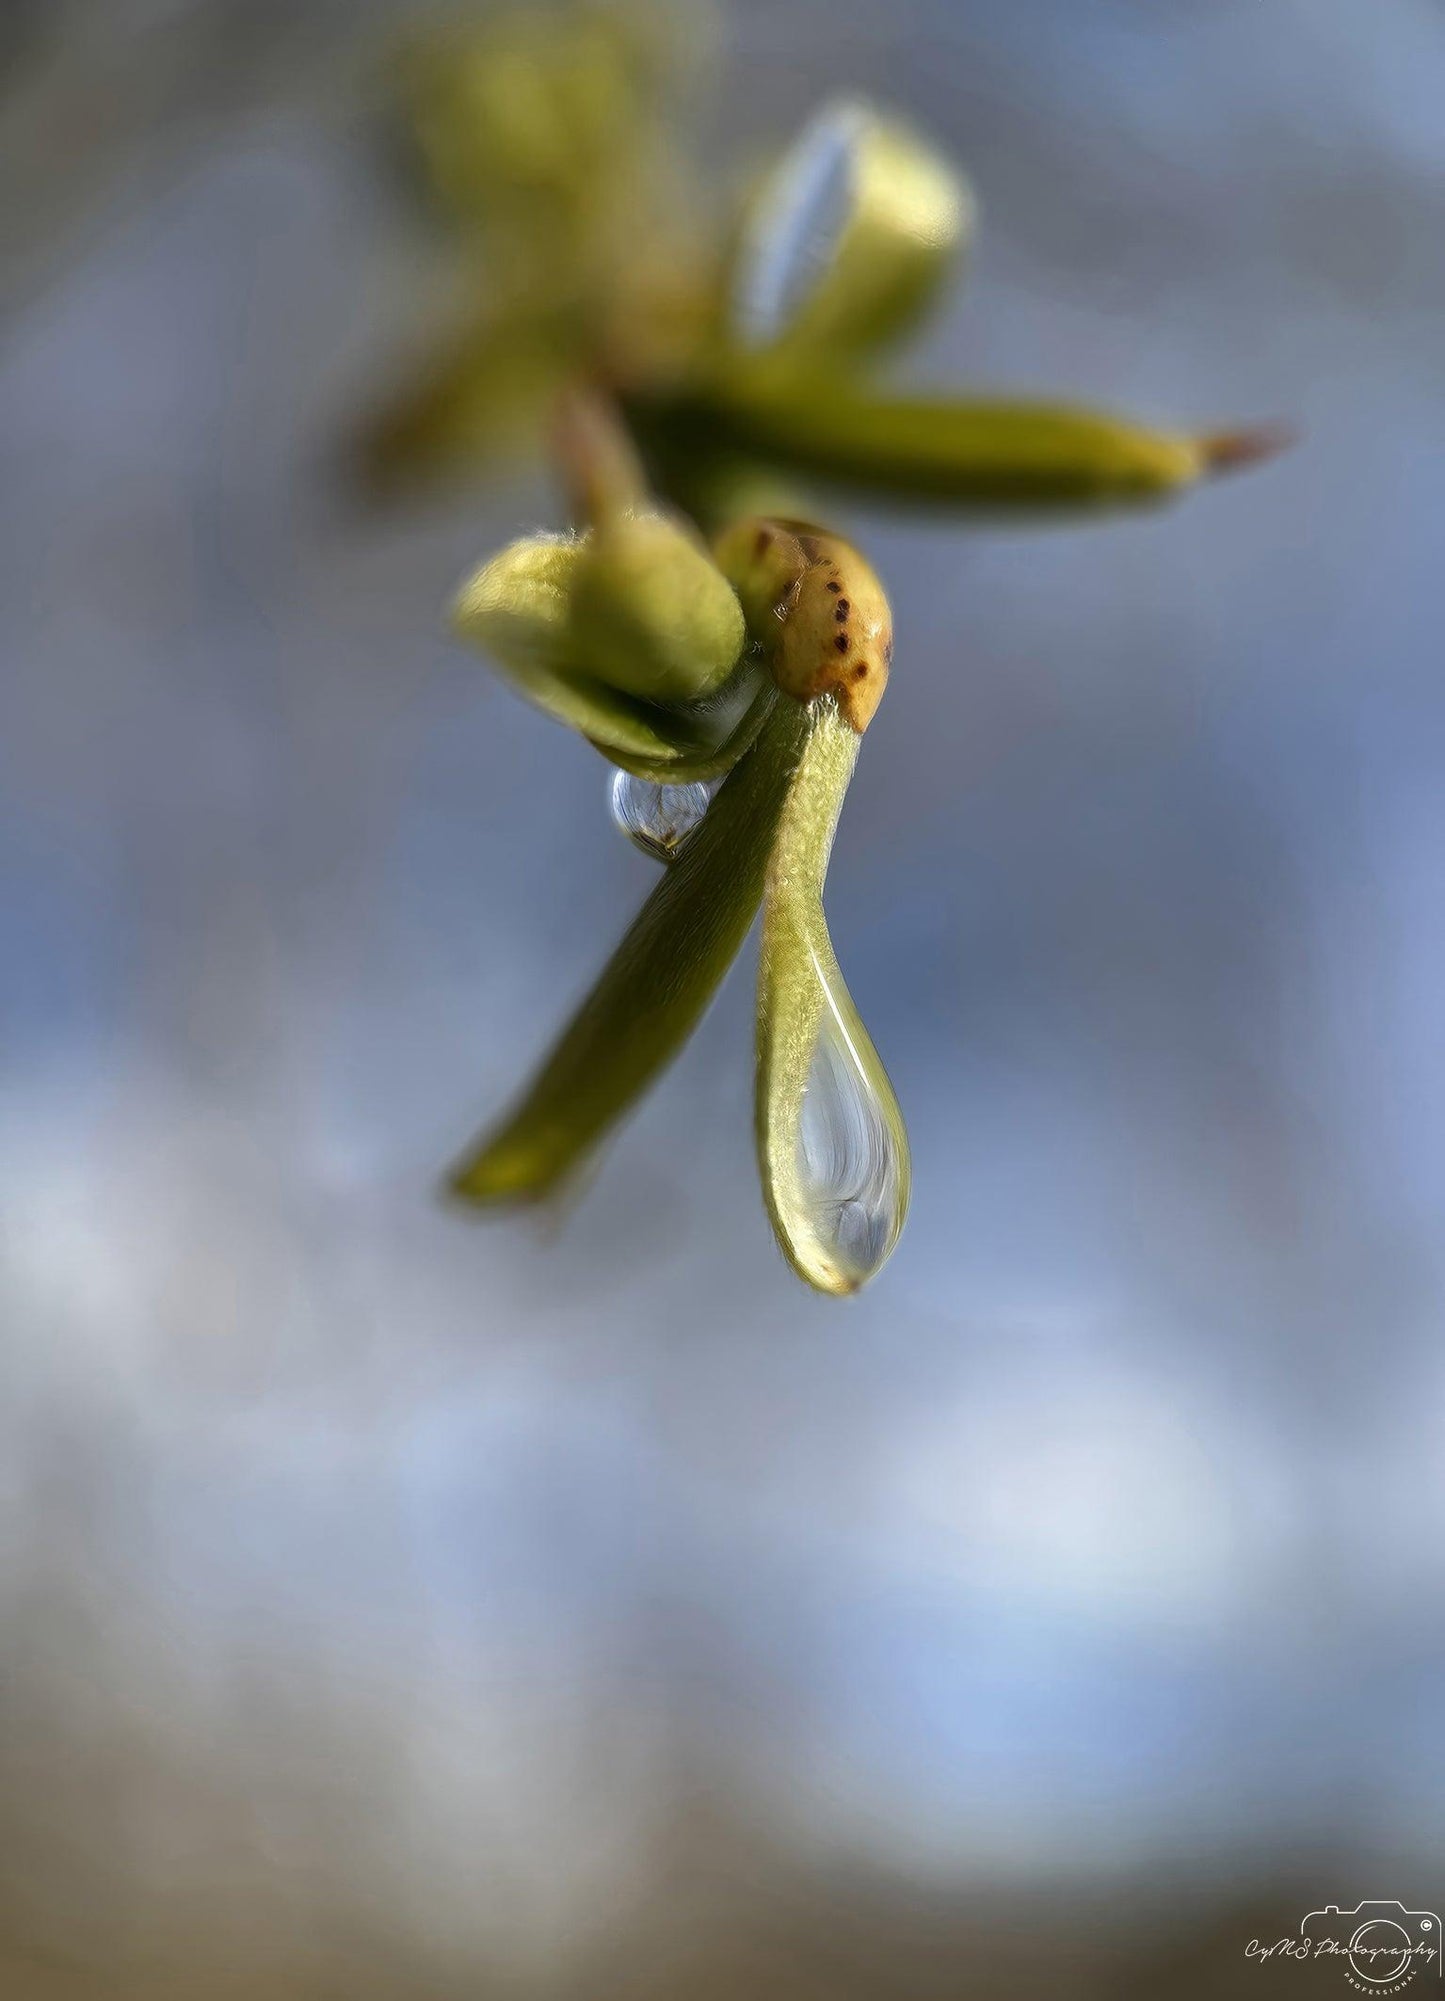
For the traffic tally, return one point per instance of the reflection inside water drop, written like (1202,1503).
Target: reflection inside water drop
(656,818)
(851,1162)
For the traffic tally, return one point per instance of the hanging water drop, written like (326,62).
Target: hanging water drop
(656,818)
(852,1158)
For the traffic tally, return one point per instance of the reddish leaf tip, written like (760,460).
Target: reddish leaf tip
(1251,444)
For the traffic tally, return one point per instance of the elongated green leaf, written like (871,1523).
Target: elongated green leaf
(654,989)
(849,239)
(955,452)
(832,1147)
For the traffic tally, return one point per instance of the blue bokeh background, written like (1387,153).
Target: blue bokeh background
(359,1559)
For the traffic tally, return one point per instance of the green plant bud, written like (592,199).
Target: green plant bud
(849,239)
(517,604)
(832,1146)
(656,987)
(817,608)
(530,105)
(652,614)
(517,607)
(994,456)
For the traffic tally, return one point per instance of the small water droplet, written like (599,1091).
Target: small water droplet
(851,1163)
(656,818)
(800,224)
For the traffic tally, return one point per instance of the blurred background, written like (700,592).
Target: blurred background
(395,1605)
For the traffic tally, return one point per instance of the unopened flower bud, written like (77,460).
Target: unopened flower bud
(850,237)
(651,612)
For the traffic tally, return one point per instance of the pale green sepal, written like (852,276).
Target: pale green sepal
(729,724)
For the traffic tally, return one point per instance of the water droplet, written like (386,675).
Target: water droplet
(656,818)
(799,225)
(852,1159)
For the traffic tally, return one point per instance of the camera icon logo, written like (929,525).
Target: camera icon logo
(1381,1945)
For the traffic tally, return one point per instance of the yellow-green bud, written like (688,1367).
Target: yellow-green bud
(518,607)
(518,604)
(850,238)
(651,612)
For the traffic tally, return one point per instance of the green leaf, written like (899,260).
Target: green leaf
(832,1147)
(654,990)
(849,239)
(958,452)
